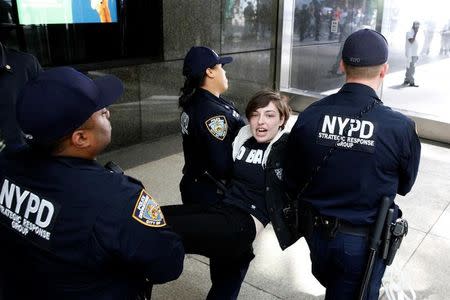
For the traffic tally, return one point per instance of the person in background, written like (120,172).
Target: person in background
(71,228)
(345,153)
(412,54)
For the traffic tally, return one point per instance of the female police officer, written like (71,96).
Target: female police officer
(209,124)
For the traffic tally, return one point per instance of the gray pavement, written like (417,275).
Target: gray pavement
(423,261)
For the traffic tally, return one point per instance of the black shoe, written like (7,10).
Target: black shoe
(406,82)
(414,85)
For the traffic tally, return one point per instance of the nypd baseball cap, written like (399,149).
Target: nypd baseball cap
(364,48)
(198,59)
(60,100)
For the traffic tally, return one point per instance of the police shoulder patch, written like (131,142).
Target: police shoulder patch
(148,212)
(218,127)
(184,122)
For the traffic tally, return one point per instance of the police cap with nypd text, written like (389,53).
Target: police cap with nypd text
(60,100)
(364,48)
(198,59)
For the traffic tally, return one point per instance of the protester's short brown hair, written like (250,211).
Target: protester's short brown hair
(263,98)
(368,72)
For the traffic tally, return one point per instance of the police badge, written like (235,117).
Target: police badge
(184,122)
(148,212)
(218,127)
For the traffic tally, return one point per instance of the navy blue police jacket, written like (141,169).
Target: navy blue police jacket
(379,156)
(71,229)
(209,125)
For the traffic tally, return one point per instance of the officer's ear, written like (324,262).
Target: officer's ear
(210,73)
(80,138)
(341,66)
(383,71)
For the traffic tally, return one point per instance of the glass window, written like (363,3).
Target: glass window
(319,30)
(247,25)
(423,63)
(313,33)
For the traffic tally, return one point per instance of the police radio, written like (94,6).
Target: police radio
(113,167)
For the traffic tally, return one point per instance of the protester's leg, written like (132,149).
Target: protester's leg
(222,232)
(227,276)
(212,231)
(200,229)
(198,191)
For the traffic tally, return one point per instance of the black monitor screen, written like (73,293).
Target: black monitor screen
(91,34)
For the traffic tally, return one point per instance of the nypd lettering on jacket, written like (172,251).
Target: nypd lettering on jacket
(360,134)
(27,213)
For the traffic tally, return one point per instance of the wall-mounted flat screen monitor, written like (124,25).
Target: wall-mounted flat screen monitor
(92,33)
(35,12)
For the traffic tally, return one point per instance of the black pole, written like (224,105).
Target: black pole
(374,243)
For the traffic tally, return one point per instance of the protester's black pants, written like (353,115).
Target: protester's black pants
(222,232)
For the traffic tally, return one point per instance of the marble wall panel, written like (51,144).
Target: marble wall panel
(248,73)
(160,84)
(187,23)
(125,113)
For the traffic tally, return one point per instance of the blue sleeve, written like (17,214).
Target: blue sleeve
(135,231)
(218,151)
(409,161)
(157,252)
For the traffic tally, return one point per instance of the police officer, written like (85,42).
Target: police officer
(209,124)
(16,68)
(70,228)
(346,152)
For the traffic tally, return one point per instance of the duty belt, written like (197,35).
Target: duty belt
(332,225)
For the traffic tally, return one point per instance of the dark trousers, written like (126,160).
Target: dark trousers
(199,190)
(223,233)
(339,264)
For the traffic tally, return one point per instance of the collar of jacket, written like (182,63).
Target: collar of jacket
(359,88)
(245,134)
(213,98)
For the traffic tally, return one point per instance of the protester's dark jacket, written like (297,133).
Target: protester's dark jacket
(274,162)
